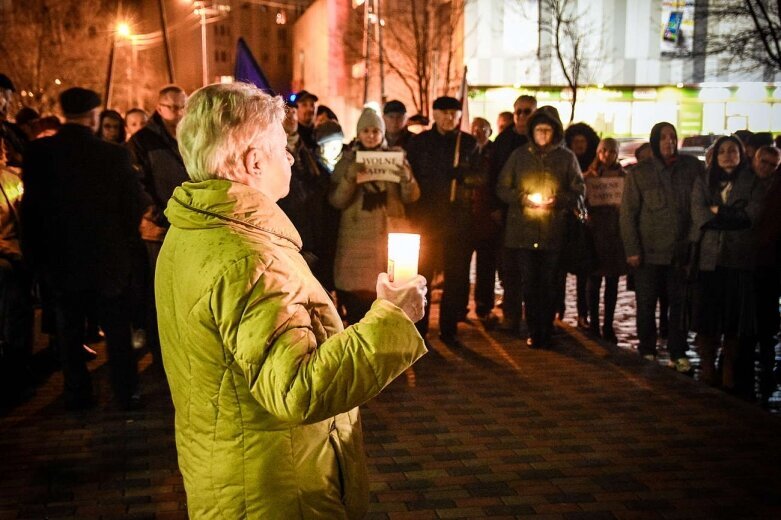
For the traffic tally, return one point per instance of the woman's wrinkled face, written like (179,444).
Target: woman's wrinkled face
(447,120)
(274,176)
(728,156)
(370,137)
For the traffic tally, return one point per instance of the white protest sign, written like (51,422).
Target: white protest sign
(380,166)
(604,191)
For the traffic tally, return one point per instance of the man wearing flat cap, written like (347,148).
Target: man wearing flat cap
(394,113)
(443,160)
(80,212)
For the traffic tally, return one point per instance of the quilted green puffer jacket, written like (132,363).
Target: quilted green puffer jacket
(264,379)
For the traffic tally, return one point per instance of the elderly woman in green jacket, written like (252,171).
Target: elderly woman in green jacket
(264,379)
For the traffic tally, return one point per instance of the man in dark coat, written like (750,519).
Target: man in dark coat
(512,137)
(766,164)
(487,216)
(442,161)
(161,170)
(80,214)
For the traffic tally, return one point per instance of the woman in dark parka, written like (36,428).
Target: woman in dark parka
(725,205)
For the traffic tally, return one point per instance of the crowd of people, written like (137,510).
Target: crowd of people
(697,241)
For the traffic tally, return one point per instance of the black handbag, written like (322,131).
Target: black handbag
(579,255)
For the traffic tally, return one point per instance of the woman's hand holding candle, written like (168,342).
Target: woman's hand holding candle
(410,297)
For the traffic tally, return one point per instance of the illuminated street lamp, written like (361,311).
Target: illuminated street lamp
(123,29)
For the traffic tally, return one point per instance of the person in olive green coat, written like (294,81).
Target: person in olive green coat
(264,379)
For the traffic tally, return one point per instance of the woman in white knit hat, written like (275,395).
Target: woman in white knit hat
(370,210)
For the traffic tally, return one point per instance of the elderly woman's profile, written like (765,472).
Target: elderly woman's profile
(265,380)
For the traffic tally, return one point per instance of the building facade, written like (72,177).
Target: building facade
(641,61)
(202,38)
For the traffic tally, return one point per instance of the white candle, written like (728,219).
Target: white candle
(536,198)
(403,253)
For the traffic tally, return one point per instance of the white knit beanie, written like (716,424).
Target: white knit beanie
(370,118)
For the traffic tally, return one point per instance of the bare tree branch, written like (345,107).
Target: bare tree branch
(747,34)
(569,44)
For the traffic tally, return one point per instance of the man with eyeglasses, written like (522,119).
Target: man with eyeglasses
(511,138)
(161,170)
(514,136)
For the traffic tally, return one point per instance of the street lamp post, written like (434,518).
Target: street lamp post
(133,67)
(200,10)
(121,30)
(207,12)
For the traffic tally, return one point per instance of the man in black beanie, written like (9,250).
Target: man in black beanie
(81,211)
(444,161)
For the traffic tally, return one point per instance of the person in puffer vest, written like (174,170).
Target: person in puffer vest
(265,381)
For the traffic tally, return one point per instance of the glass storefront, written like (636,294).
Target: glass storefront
(632,111)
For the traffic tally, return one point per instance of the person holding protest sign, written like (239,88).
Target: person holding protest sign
(371,186)
(604,187)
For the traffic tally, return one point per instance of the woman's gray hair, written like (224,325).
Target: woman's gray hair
(220,123)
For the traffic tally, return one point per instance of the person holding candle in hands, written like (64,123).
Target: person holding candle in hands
(265,381)
(540,182)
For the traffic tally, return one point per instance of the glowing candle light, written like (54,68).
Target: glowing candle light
(536,198)
(403,253)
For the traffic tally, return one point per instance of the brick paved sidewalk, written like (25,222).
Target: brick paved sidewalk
(583,431)
(493,429)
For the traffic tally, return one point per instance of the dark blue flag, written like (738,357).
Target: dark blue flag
(248,70)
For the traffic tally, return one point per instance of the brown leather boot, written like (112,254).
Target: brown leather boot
(707,346)
(729,358)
